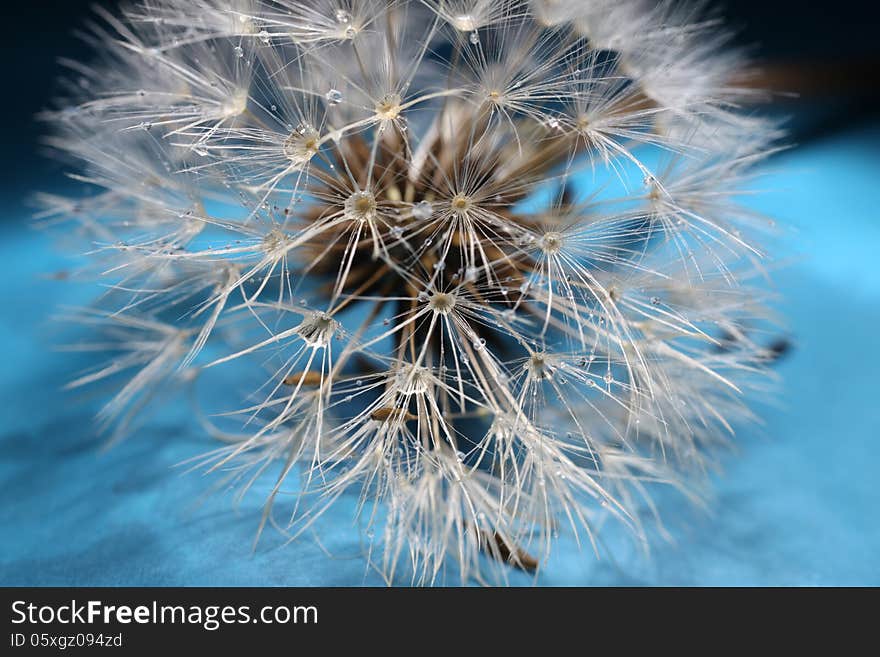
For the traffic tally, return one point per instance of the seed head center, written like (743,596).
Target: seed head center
(538,367)
(302,144)
(461,203)
(442,302)
(389,107)
(361,206)
(551,242)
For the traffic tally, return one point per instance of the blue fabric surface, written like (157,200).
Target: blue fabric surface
(798,505)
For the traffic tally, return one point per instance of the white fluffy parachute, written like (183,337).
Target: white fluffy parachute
(483,259)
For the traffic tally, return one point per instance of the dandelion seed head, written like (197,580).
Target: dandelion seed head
(236,104)
(317,329)
(302,144)
(487,255)
(552,242)
(539,366)
(460,204)
(442,303)
(414,380)
(388,108)
(361,206)
(244,24)
(274,240)
(465,22)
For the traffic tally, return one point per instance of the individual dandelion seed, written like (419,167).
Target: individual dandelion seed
(487,256)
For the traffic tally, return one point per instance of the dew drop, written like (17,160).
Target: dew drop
(422,210)
(264,36)
(474,38)
(334,97)
(239,52)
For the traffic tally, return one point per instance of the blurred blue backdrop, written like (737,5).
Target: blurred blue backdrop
(797,505)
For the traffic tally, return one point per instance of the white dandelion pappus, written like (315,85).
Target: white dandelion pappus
(487,256)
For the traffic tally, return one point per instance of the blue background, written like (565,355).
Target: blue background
(797,505)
